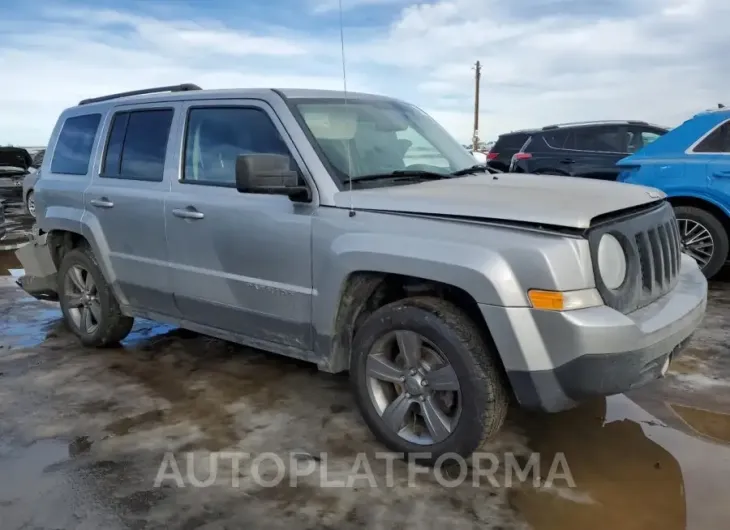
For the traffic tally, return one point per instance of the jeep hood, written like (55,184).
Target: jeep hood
(14,159)
(540,199)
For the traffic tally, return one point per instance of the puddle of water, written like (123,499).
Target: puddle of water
(145,330)
(713,425)
(23,468)
(24,329)
(8,261)
(631,472)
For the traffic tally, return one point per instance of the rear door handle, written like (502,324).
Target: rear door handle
(722,174)
(188,213)
(567,161)
(102,203)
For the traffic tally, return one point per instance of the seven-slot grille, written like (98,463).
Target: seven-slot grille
(660,254)
(650,239)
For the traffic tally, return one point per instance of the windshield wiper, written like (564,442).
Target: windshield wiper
(404,174)
(474,169)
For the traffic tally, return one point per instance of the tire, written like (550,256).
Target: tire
(716,230)
(111,326)
(484,397)
(30,204)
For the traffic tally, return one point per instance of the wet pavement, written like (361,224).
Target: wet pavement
(84,434)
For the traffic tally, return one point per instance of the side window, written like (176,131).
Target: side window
(137,145)
(639,138)
(75,143)
(557,139)
(216,136)
(648,137)
(603,139)
(717,142)
(113,157)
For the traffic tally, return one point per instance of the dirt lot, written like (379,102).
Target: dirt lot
(84,433)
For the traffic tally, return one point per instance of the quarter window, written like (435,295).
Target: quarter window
(137,145)
(216,136)
(75,143)
(717,142)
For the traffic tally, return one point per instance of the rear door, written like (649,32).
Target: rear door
(592,152)
(126,204)
(714,149)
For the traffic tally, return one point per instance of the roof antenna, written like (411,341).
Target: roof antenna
(344,82)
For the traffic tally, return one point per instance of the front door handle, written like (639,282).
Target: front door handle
(722,174)
(188,213)
(102,203)
(567,161)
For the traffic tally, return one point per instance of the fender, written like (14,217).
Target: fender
(497,274)
(92,232)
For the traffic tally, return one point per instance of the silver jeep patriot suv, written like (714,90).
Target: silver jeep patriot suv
(352,231)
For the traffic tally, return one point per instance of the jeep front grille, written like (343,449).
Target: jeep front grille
(652,245)
(659,257)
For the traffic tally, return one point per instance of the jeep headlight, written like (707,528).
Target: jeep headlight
(611,262)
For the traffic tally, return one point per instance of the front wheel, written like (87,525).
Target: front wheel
(88,305)
(426,380)
(703,238)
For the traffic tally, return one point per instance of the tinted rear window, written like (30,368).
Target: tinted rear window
(717,142)
(75,142)
(137,145)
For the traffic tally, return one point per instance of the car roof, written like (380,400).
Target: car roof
(188,91)
(578,124)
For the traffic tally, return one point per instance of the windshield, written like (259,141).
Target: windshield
(372,137)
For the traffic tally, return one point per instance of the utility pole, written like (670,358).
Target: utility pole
(478,71)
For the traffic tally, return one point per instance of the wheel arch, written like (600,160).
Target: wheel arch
(366,291)
(703,203)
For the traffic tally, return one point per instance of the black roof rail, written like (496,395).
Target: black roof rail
(171,88)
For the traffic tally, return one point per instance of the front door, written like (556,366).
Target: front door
(241,262)
(125,205)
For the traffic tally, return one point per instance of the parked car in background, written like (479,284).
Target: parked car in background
(500,155)
(691,164)
(15,163)
(585,149)
(316,234)
(29,183)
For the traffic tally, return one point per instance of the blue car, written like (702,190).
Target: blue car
(691,164)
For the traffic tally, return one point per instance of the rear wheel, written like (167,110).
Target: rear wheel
(88,305)
(703,238)
(425,379)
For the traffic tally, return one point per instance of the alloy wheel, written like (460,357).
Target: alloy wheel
(697,241)
(413,387)
(30,203)
(82,299)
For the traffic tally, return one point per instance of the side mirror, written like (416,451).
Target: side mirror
(269,174)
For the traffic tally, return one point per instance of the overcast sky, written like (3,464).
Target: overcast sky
(545,61)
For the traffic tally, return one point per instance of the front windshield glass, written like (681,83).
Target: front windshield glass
(362,138)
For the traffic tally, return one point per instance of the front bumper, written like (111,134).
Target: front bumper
(555,359)
(14,182)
